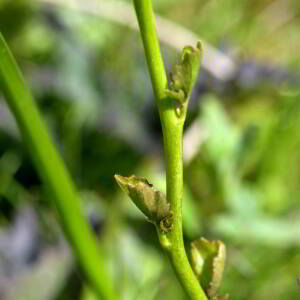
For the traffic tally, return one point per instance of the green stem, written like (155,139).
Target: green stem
(53,173)
(155,62)
(174,174)
(172,126)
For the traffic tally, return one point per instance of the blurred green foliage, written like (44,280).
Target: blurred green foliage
(242,185)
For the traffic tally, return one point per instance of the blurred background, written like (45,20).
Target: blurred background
(85,64)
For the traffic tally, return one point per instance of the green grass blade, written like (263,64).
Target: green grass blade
(53,172)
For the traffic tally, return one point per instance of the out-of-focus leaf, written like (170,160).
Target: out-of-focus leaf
(88,294)
(137,266)
(221,148)
(261,229)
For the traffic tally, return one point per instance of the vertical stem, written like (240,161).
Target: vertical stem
(172,126)
(53,173)
(155,62)
(174,172)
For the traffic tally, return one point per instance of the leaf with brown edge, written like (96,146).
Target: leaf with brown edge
(150,201)
(208,260)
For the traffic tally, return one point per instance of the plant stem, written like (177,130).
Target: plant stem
(174,173)
(155,62)
(53,172)
(172,126)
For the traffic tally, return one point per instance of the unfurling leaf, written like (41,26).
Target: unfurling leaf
(184,74)
(150,201)
(208,260)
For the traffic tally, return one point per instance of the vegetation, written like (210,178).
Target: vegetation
(240,164)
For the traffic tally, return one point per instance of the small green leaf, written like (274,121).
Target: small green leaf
(150,201)
(208,260)
(184,74)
